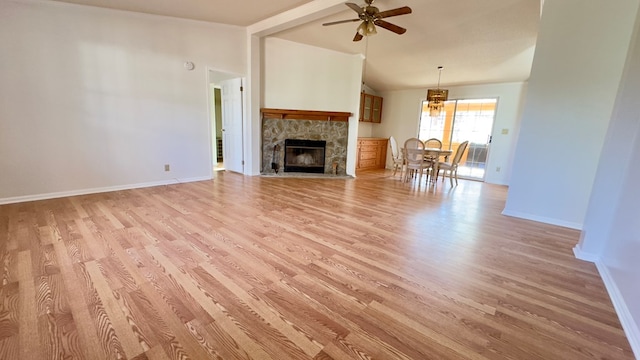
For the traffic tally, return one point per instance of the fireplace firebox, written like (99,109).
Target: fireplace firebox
(304,155)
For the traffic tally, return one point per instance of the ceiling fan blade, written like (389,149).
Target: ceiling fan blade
(354,7)
(340,22)
(358,37)
(394,12)
(391,27)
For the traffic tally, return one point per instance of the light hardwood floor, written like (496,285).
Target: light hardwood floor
(282,268)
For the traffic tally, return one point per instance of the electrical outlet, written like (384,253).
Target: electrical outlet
(167,167)
(497,168)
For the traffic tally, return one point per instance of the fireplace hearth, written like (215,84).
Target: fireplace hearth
(307,156)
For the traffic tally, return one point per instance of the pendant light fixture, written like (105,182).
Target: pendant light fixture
(437,97)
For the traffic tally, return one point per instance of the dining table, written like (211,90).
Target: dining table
(434,155)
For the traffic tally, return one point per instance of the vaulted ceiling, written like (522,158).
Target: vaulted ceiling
(477,42)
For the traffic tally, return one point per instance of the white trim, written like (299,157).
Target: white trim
(19,199)
(628,324)
(211,121)
(586,256)
(542,219)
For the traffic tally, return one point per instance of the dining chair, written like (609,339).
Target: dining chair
(432,159)
(433,143)
(396,156)
(414,160)
(452,167)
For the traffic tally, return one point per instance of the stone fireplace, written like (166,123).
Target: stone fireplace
(281,128)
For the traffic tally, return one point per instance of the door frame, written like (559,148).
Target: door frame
(490,134)
(453,122)
(214,120)
(213,77)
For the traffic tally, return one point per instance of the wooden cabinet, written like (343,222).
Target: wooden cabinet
(372,153)
(370,108)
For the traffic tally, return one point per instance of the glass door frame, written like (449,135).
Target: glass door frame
(446,130)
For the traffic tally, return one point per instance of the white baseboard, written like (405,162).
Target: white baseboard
(54,195)
(542,219)
(628,324)
(586,256)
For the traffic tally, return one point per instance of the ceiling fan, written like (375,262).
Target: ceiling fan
(370,17)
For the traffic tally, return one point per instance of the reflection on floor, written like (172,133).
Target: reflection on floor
(475,171)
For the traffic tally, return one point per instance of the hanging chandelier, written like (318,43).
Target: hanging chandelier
(437,97)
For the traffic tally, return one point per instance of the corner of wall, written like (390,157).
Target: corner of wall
(586,256)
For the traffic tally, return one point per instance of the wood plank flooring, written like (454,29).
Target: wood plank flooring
(282,268)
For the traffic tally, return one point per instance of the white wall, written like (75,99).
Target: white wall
(299,76)
(401,119)
(611,234)
(365,129)
(576,70)
(302,77)
(94,99)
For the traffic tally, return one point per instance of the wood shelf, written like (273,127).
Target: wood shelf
(304,115)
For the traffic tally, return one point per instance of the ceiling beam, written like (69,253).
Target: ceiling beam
(303,14)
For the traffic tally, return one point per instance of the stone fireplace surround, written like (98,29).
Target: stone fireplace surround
(279,124)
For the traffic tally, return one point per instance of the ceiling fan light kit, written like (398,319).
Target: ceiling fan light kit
(371,17)
(367,28)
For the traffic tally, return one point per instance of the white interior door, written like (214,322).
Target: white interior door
(232,124)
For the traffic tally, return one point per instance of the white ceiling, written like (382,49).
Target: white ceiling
(477,42)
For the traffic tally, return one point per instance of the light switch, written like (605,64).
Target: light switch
(505,131)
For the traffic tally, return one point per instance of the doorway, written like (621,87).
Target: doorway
(216,121)
(463,120)
(226,111)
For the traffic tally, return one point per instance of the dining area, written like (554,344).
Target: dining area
(416,159)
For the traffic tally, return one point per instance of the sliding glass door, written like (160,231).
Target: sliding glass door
(463,120)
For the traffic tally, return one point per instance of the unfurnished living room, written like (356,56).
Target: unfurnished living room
(161,196)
